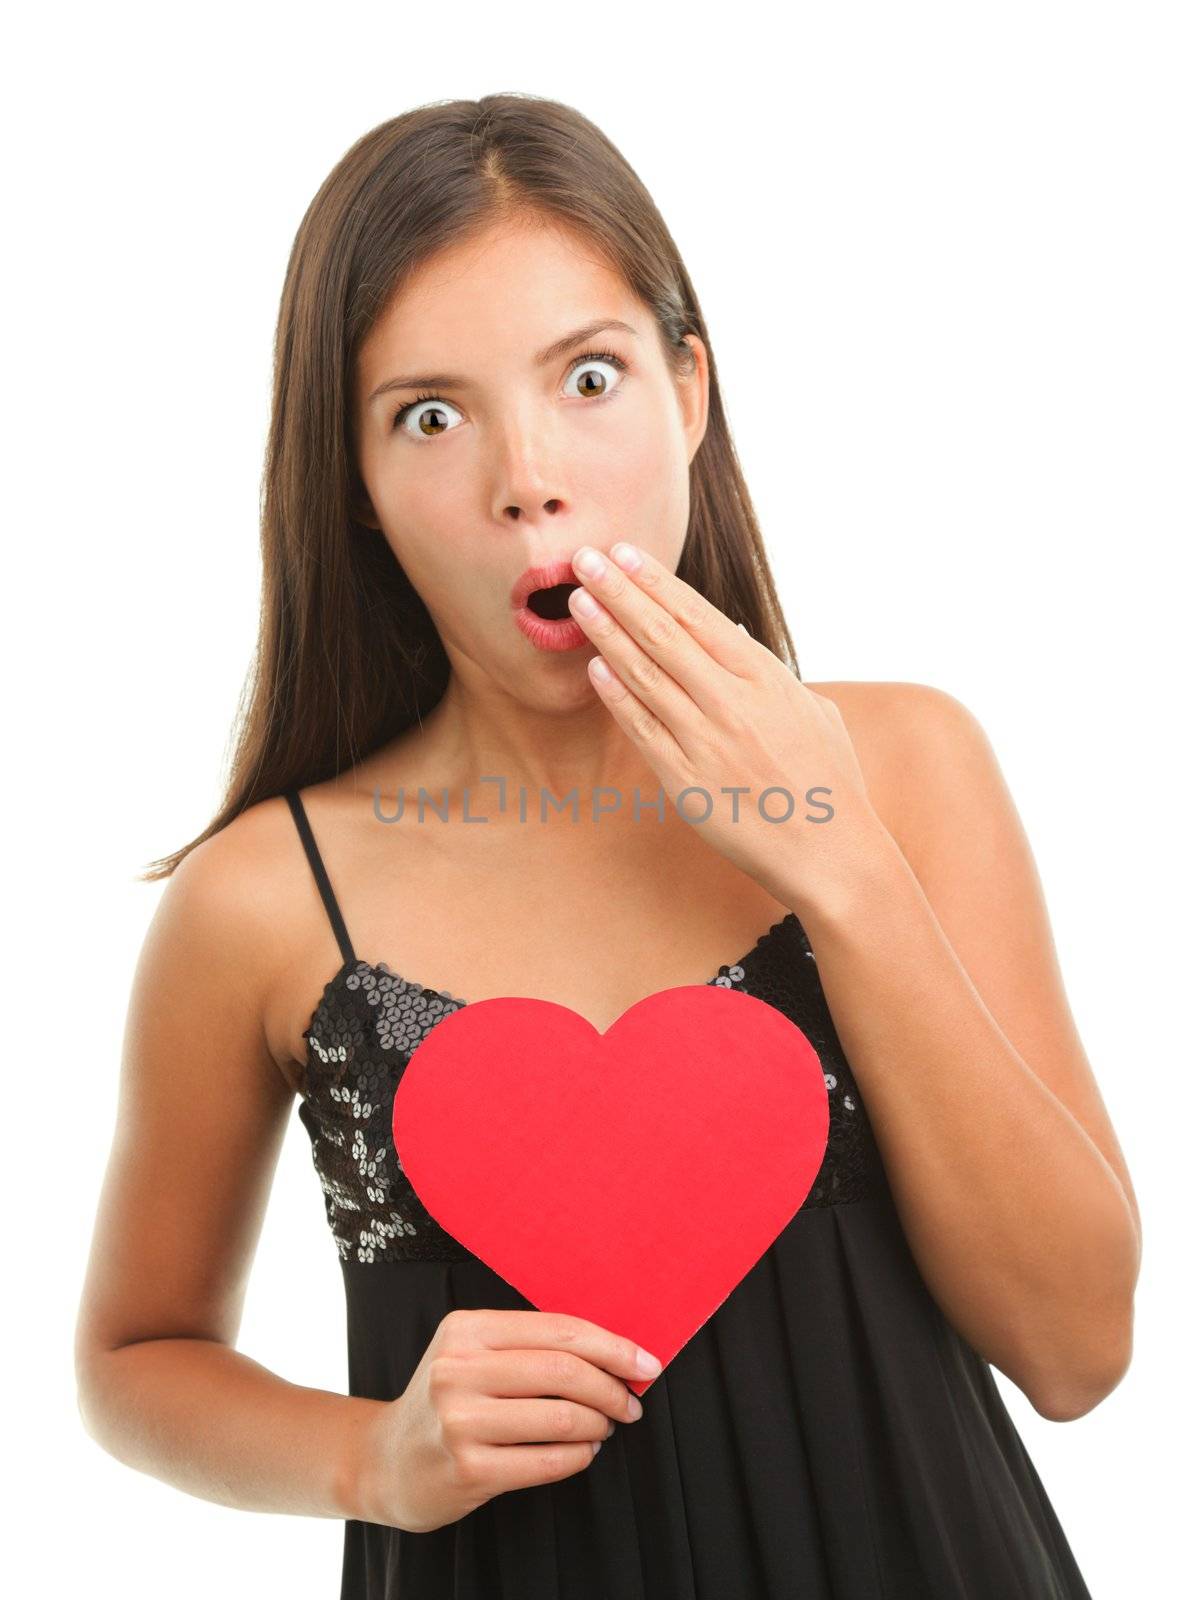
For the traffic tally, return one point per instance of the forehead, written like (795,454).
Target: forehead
(502,294)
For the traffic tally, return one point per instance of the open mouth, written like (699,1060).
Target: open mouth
(551,603)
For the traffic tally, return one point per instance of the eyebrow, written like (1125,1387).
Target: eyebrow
(443,380)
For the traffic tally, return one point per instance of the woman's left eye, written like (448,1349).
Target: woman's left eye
(592,358)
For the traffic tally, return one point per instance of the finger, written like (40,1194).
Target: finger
(522,1466)
(671,623)
(707,624)
(638,673)
(525,1374)
(525,1421)
(653,738)
(500,1330)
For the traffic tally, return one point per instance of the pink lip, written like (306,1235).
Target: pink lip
(542,578)
(544,632)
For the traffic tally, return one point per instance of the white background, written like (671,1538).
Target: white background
(948,255)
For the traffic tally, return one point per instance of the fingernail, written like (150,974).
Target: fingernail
(648,1366)
(627,556)
(596,1443)
(635,1407)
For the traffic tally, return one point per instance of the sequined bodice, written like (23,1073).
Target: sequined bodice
(369,1022)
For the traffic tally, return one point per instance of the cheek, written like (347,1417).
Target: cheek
(427,521)
(639,470)
(427,499)
(436,540)
(627,474)
(643,488)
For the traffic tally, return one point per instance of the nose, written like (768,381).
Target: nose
(515,509)
(529,483)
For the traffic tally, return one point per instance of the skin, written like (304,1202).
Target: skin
(528,470)
(946,994)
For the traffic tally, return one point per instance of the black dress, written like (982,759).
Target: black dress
(825,1435)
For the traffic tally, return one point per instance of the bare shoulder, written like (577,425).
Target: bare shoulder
(220,928)
(236,881)
(898,729)
(883,711)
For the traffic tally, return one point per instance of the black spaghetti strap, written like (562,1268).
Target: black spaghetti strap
(319,873)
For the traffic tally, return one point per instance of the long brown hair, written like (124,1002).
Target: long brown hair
(347,655)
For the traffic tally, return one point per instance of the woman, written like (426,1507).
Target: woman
(489,357)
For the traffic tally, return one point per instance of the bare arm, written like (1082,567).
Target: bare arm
(942,979)
(203,1108)
(207,1419)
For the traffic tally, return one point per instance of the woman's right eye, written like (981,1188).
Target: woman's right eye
(425,407)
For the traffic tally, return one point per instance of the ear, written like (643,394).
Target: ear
(361,509)
(693,395)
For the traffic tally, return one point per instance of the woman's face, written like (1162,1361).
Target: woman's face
(518,462)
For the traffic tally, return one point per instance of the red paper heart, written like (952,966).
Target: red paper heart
(632,1177)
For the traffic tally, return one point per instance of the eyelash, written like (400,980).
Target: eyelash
(589,355)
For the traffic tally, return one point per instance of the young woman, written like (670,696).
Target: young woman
(490,357)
